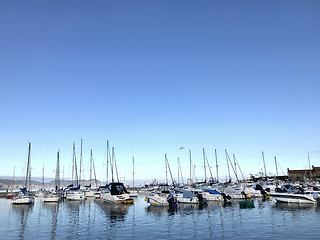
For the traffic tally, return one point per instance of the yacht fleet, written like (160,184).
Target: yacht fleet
(173,194)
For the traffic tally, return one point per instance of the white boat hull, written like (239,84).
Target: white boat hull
(293,198)
(133,194)
(53,198)
(212,197)
(122,198)
(157,200)
(89,193)
(77,196)
(23,200)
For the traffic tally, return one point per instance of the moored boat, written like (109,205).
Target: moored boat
(24,196)
(117,194)
(160,197)
(293,198)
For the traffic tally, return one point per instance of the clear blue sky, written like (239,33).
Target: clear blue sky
(152,76)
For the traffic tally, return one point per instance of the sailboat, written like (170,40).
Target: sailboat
(117,192)
(40,192)
(133,193)
(24,196)
(74,193)
(162,196)
(88,192)
(54,196)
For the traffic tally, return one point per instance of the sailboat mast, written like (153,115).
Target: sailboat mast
(42,175)
(73,163)
(228,164)
(204,165)
(169,168)
(90,166)
(178,171)
(80,161)
(94,171)
(132,172)
(28,175)
(205,156)
(235,173)
(264,164)
(57,179)
(111,165)
(275,160)
(115,163)
(107,162)
(165,158)
(238,166)
(190,166)
(215,153)
(235,164)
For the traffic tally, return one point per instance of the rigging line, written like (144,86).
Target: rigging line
(115,163)
(238,166)
(228,158)
(280,167)
(80,161)
(204,166)
(180,171)
(169,169)
(194,173)
(94,171)
(215,153)
(228,165)
(208,163)
(190,166)
(108,158)
(73,164)
(111,162)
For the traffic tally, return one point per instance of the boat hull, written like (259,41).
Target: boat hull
(212,197)
(75,197)
(293,198)
(157,201)
(23,200)
(51,198)
(89,193)
(123,198)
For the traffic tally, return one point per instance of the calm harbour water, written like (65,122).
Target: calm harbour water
(94,219)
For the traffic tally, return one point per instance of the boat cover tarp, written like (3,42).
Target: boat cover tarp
(211,191)
(188,194)
(75,188)
(117,188)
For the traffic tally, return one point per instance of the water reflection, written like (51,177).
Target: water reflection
(54,206)
(116,212)
(73,224)
(159,211)
(22,211)
(287,206)
(94,219)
